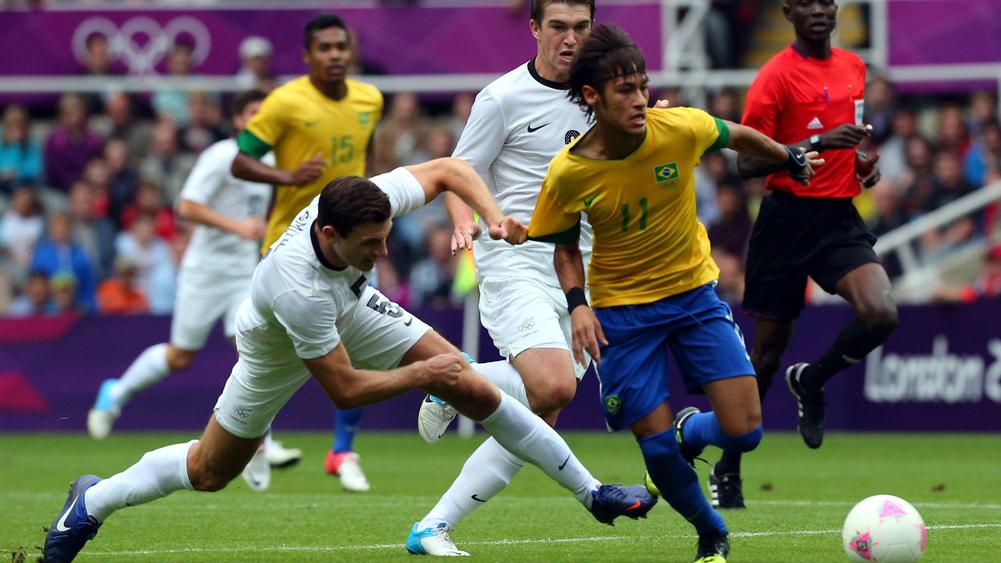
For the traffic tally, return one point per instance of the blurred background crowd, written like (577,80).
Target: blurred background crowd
(88,184)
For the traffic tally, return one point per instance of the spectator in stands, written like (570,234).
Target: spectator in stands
(880,111)
(725,104)
(70,144)
(948,186)
(36,301)
(983,160)
(919,175)
(986,285)
(20,229)
(206,123)
(731,276)
(983,109)
(94,232)
(174,103)
(255,72)
(149,201)
(462,105)
(431,277)
(20,156)
(406,126)
(153,258)
(97,59)
(893,150)
(119,295)
(731,233)
(124,182)
(165,165)
(59,254)
(97,174)
(890,214)
(65,297)
(119,122)
(952,134)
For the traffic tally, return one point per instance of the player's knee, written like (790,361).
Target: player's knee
(747,441)
(881,320)
(552,396)
(766,363)
(178,360)
(206,480)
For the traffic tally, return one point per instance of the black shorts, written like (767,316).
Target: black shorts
(796,237)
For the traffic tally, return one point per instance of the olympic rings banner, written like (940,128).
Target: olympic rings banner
(396,40)
(941,370)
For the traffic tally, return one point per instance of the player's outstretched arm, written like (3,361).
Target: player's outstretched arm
(842,137)
(748,141)
(457,177)
(465,228)
(251,169)
(251,228)
(350,388)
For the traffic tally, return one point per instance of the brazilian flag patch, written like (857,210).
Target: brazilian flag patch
(613,404)
(666,172)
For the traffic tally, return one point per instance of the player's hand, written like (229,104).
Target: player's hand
(251,228)
(443,370)
(866,170)
(801,165)
(463,236)
(587,334)
(661,104)
(844,136)
(309,171)
(509,229)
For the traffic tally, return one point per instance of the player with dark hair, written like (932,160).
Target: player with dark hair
(215,275)
(320,127)
(810,95)
(311,313)
(651,276)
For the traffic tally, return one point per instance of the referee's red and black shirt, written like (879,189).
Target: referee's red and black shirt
(794,97)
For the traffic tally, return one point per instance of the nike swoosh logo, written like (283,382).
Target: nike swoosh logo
(477,499)
(61,524)
(410,322)
(310,123)
(634,506)
(588,202)
(564,464)
(534,129)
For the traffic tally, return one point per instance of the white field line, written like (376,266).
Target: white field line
(287,500)
(538,541)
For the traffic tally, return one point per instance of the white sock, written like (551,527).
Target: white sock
(157,474)
(266,443)
(502,374)
(530,438)
(149,368)
(487,471)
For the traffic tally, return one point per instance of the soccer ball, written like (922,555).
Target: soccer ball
(885,529)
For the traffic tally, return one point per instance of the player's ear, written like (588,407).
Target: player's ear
(590,95)
(329,233)
(536,29)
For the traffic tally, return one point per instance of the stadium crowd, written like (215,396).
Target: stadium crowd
(86,195)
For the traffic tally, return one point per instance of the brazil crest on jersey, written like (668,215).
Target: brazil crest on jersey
(648,242)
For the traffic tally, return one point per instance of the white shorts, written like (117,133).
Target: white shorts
(376,333)
(522,313)
(199,306)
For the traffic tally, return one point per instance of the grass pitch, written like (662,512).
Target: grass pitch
(797,500)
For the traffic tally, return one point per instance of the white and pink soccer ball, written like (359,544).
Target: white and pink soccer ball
(884,529)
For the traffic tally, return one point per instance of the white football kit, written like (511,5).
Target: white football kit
(518,123)
(218,266)
(302,308)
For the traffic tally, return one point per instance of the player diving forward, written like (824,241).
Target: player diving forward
(651,276)
(312,313)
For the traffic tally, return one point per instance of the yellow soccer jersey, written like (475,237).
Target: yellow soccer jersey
(648,242)
(296,121)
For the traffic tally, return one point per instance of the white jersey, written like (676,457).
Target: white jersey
(214,253)
(298,300)
(518,123)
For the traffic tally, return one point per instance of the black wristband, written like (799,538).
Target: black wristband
(575,298)
(795,162)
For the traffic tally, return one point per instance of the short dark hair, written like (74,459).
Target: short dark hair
(322,21)
(606,54)
(349,201)
(244,99)
(538,7)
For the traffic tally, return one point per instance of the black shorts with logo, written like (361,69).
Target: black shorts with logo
(796,237)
